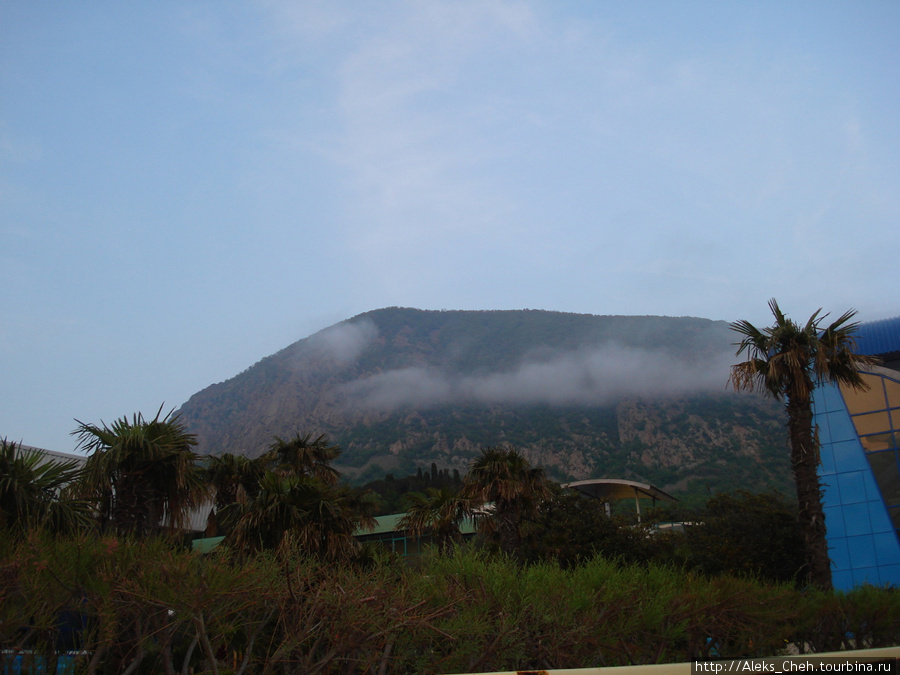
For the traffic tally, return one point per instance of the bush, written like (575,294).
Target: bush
(151,607)
(748,534)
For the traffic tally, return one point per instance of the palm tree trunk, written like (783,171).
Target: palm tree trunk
(805,464)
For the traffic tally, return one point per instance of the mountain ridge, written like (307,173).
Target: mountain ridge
(581,394)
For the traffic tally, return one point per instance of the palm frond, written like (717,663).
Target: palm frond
(142,472)
(33,491)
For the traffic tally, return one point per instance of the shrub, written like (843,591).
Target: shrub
(150,607)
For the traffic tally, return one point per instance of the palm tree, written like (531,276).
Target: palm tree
(787,361)
(437,512)
(32,491)
(320,518)
(234,480)
(141,473)
(303,455)
(512,491)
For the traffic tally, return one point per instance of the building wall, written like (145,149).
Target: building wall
(859,502)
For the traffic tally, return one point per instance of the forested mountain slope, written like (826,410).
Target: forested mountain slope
(583,395)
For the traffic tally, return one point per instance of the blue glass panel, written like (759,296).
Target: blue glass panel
(831,494)
(827,398)
(866,575)
(834,521)
(887,548)
(889,575)
(826,455)
(856,519)
(853,489)
(840,427)
(837,551)
(848,456)
(862,552)
(820,420)
(842,579)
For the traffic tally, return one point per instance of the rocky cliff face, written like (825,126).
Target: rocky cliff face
(585,396)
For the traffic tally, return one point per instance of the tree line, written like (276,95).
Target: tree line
(143,481)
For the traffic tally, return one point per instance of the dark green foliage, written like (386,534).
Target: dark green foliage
(436,513)
(235,480)
(142,473)
(32,491)
(391,491)
(296,508)
(505,493)
(151,608)
(290,496)
(572,528)
(744,533)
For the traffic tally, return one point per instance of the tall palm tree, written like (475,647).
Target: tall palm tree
(32,491)
(787,361)
(501,478)
(437,512)
(141,473)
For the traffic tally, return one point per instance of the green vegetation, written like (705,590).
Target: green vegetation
(439,513)
(144,606)
(32,492)
(550,581)
(510,492)
(390,493)
(290,494)
(141,472)
(787,361)
(741,533)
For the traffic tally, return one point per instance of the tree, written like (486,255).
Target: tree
(744,533)
(235,480)
(297,499)
(303,455)
(141,473)
(32,489)
(787,361)
(320,518)
(572,528)
(438,512)
(511,492)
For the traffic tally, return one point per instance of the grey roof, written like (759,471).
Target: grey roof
(52,454)
(610,489)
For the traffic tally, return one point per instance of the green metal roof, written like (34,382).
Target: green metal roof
(206,545)
(389,523)
(383,525)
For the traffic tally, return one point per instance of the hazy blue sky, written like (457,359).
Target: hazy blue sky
(186,187)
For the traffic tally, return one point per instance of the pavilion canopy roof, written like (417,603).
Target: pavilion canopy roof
(612,489)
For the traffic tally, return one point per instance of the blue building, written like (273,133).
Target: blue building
(859,432)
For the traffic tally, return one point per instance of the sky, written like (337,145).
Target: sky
(187,187)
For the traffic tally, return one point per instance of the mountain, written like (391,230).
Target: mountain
(641,397)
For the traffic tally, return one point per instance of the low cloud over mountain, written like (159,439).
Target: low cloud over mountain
(586,376)
(619,396)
